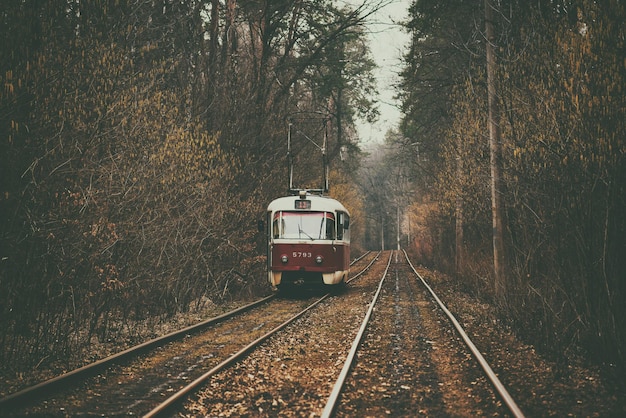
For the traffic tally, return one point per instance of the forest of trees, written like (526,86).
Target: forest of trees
(140,140)
(559,107)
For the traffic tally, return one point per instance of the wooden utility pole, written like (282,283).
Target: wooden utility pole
(495,159)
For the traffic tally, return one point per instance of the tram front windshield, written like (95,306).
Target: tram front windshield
(303,225)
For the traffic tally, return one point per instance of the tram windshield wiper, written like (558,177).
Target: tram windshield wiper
(302,231)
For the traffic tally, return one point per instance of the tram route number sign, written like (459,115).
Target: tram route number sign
(303,204)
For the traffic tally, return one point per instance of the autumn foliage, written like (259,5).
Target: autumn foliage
(560,84)
(139,143)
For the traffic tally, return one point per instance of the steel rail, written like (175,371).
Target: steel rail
(337,388)
(497,384)
(37,391)
(360,257)
(366,267)
(34,392)
(179,396)
(168,404)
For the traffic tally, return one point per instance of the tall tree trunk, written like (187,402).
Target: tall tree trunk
(382,233)
(458,259)
(495,160)
(212,61)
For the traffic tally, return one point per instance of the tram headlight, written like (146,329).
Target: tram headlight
(319,259)
(284,258)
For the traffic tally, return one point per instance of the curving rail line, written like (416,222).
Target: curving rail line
(165,407)
(496,383)
(338,387)
(28,395)
(334,395)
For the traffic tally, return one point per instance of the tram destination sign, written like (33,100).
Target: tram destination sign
(303,204)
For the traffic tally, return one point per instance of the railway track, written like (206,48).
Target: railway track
(132,381)
(382,347)
(394,354)
(292,372)
(412,360)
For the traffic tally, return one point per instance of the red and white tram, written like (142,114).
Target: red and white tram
(308,240)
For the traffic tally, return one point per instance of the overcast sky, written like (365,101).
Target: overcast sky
(388,42)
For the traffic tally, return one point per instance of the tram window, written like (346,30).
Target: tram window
(276,229)
(342,225)
(340,219)
(304,225)
(330,226)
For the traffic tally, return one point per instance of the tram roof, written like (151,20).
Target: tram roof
(318,203)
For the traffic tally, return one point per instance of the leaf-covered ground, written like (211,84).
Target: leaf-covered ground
(410,364)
